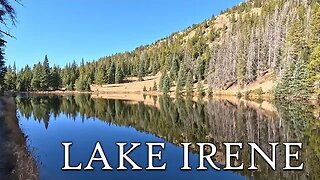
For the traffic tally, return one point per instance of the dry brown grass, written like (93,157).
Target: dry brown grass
(266,83)
(133,86)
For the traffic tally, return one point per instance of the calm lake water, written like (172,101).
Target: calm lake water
(47,121)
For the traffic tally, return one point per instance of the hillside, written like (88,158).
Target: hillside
(268,45)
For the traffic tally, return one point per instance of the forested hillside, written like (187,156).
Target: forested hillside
(234,49)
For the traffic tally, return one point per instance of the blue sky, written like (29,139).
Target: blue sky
(68,30)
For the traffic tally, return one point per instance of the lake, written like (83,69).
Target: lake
(47,121)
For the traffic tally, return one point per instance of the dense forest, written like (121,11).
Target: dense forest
(243,43)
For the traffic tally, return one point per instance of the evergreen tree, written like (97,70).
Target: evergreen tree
(200,68)
(301,86)
(45,74)
(181,80)
(24,79)
(144,89)
(296,39)
(182,75)
(200,89)
(119,75)
(55,81)
(100,75)
(166,84)
(154,68)
(20,86)
(65,77)
(314,68)
(7,13)
(10,79)
(83,83)
(155,86)
(315,25)
(111,74)
(72,74)
(179,87)
(3,69)
(189,84)
(161,83)
(174,70)
(295,83)
(210,91)
(36,77)
(141,70)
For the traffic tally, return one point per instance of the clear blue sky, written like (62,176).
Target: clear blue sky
(68,30)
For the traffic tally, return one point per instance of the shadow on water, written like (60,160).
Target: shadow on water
(215,121)
(16,162)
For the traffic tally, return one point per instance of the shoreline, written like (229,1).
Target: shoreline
(251,96)
(19,163)
(263,102)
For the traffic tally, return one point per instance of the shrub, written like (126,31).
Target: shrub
(258,91)
(247,94)
(155,86)
(210,91)
(239,95)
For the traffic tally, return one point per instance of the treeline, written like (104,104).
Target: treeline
(43,77)
(7,17)
(279,37)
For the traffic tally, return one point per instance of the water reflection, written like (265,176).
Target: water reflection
(182,120)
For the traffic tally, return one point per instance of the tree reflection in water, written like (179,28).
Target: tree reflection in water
(215,121)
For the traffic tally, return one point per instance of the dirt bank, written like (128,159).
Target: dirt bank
(15,160)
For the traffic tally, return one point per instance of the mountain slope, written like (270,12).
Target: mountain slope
(234,50)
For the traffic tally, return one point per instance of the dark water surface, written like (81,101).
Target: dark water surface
(47,121)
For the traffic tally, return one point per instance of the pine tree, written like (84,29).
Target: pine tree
(163,75)
(144,89)
(210,91)
(295,83)
(10,79)
(200,68)
(100,75)
(179,87)
(119,75)
(111,74)
(155,86)
(83,83)
(296,39)
(3,69)
(36,77)
(141,70)
(154,68)
(24,79)
(189,84)
(315,26)
(74,74)
(55,81)
(313,68)
(7,13)
(20,86)
(182,75)
(45,74)
(166,84)
(200,89)
(301,86)
(174,70)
